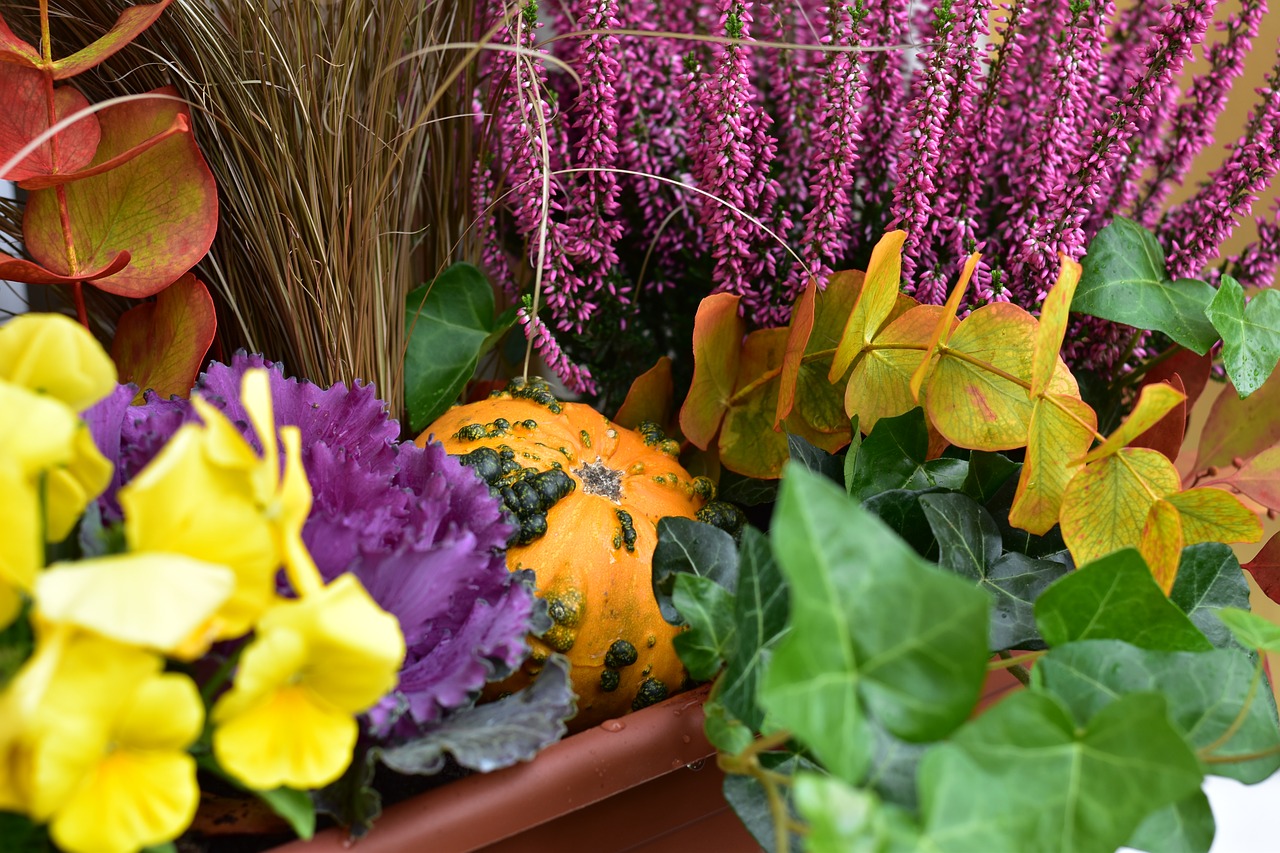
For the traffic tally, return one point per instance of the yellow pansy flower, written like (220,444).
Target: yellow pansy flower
(22,545)
(55,356)
(95,744)
(315,663)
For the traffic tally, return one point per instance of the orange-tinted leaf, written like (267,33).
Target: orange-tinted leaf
(1105,506)
(797,341)
(161,345)
(40,182)
(128,26)
(1194,370)
(1215,515)
(880,386)
(748,443)
(819,405)
(717,347)
(876,301)
(15,51)
(161,206)
(649,398)
(1154,403)
(945,324)
(1240,428)
(1061,430)
(971,406)
(1265,568)
(1052,326)
(26,115)
(1166,434)
(17,269)
(1260,478)
(1161,543)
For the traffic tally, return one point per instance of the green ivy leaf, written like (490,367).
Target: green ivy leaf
(1124,280)
(748,799)
(726,734)
(893,457)
(760,619)
(1250,333)
(353,800)
(917,665)
(988,471)
(1015,539)
(690,547)
(1251,630)
(296,807)
(900,509)
(815,458)
(708,608)
(1026,776)
(22,835)
(1185,827)
(968,539)
(1205,692)
(842,818)
(1210,578)
(448,325)
(1115,598)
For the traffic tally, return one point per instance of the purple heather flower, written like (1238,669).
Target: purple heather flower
(421,532)
(889,25)
(1192,125)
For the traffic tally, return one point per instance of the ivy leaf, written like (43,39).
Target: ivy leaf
(1206,692)
(496,735)
(1250,333)
(752,805)
(918,670)
(353,801)
(161,345)
(968,539)
(649,398)
(1210,578)
(815,459)
(901,511)
(876,300)
(746,491)
(1115,598)
(447,324)
(1026,776)
(725,732)
(1187,826)
(1124,280)
(118,210)
(760,620)
(894,455)
(1251,630)
(708,608)
(1016,582)
(296,807)
(717,343)
(686,546)
(988,472)
(843,818)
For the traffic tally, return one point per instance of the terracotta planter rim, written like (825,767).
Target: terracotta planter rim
(572,774)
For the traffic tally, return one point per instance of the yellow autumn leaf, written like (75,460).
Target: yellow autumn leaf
(1215,515)
(875,302)
(1106,503)
(945,323)
(1161,543)
(717,341)
(1061,429)
(880,386)
(1053,325)
(816,325)
(971,405)
(1154,403)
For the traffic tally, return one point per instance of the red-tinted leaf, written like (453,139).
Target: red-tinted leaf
(180,125)
(717,346)
(161,345)
(15,51)
(26,115)
(16,269)
(1260,478)
(161,206)
(1240,428)
(1166,435)
(128,26)
(797,339)
(649,398)
(1194,370)
(1265,568)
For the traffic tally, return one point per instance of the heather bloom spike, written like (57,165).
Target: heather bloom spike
(577,379)
(889,26)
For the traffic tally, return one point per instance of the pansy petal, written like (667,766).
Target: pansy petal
(291,739)
(222,442)
(132,800)
(70,487)
(36,431)
(21,548)
(270,662)
(154,600)
(166,712)
(360,644)
(54,355)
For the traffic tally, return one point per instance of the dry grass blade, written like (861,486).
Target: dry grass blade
(342,184)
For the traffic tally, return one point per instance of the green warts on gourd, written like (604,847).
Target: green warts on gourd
(566,610)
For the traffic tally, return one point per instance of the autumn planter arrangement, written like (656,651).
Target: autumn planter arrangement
(862,381)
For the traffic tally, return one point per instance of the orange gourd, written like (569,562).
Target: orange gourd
(587,495)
